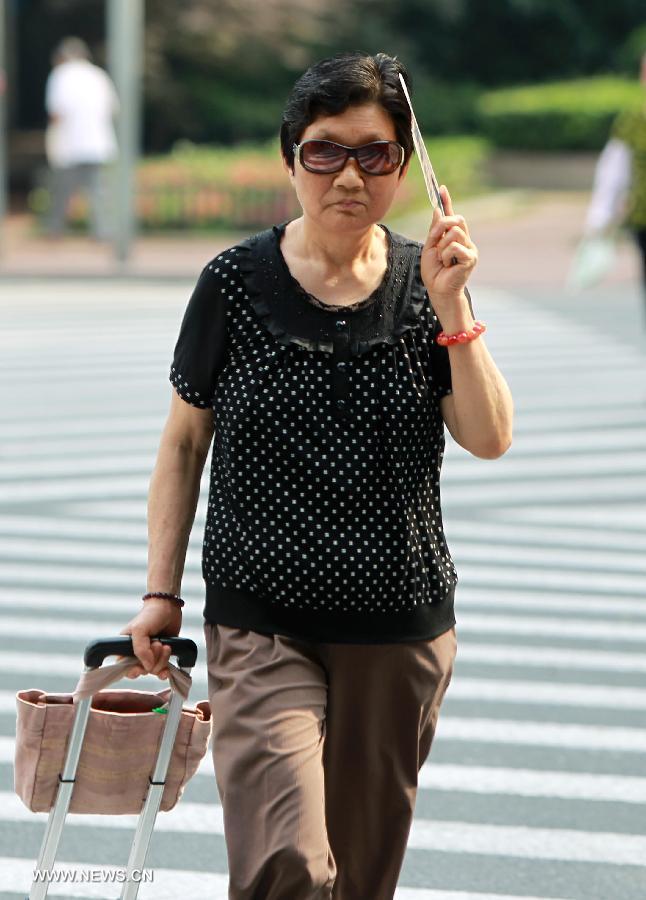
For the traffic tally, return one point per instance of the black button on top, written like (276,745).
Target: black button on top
(340,404)
(341,366)
(340,324)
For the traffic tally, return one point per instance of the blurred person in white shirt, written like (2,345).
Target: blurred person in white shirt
(619,193)
(81,103)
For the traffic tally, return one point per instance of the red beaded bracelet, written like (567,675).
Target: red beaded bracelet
(462,337)
(164,596)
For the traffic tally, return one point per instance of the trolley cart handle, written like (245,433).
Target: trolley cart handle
(96,651)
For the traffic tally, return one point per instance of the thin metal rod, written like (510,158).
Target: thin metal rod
(58,812)
(147,817)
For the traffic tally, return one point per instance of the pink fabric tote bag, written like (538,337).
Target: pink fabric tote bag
(120,747)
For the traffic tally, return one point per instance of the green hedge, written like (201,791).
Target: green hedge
(444,108)
(568,115)
(245,187)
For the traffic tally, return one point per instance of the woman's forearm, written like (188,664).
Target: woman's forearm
(482,402)
(172,501)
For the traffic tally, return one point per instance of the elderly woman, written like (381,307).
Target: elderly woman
(313,355)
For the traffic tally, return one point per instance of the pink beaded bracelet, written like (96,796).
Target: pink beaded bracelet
(462,337)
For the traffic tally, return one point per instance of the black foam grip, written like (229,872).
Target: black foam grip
(96,651)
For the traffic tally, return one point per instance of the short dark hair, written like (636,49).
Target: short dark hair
(331,86)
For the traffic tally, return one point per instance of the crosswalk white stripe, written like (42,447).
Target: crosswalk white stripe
(404,893)
(461,473)
(52,600)
(536,467)
(121,509)
(169,884)
(565,845)
(470,624)
(129,486)
(556,785)
(599,438)
(501,655)
(14,626)
(532,783)
(561,844)
(548,657)
(53,574)
(557,558)
(551,490)
(483,730)
(622,515)
(605,630)
(535,693)
(518,601)
(538,535)
(61,549)
(469,597)
(542,734)
(542,535)
(42,469)
(18,598)
(561,421)
(124,553)
(79,529)
(610,583)
(76,447)
(551,693)
(125,578)
(63,664)
(532,445)
(583,422)
(107,425)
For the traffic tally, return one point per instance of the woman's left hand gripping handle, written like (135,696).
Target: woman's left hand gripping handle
(158,617)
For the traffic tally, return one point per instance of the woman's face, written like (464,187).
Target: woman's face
(348,200)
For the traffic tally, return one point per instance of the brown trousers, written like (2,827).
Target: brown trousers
(317,749)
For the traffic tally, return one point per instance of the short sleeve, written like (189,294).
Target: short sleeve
(200,349)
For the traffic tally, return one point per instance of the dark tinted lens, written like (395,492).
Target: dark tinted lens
(322,156)
(379,158)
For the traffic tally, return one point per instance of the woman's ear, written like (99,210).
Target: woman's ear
(404,169)
(289,169)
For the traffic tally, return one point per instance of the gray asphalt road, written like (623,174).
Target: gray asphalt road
(536,785)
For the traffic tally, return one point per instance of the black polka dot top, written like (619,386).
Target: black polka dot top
(324,519)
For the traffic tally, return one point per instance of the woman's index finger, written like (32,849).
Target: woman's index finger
(446,200)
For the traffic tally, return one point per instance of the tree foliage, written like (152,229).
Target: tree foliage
(220,70)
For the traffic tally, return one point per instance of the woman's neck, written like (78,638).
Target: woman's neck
(337,251)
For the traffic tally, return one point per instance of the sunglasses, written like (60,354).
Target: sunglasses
(326,157)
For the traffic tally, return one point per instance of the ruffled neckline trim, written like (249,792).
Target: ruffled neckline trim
(286,311)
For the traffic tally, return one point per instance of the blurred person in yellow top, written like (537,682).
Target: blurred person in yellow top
(81,103)
(619,195)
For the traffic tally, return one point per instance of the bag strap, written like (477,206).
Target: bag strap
(95,679)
